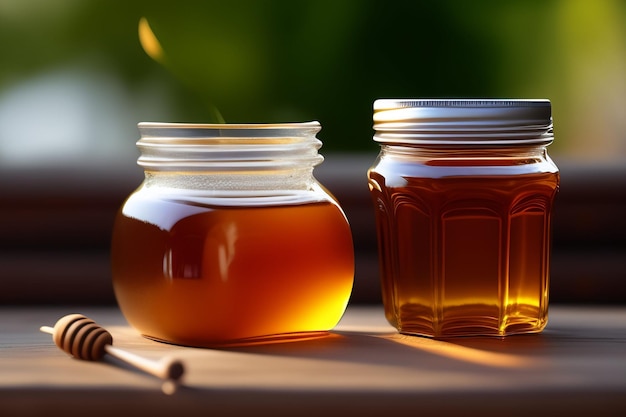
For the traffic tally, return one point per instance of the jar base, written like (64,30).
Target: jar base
(469,333)
(469,321)
(252,341)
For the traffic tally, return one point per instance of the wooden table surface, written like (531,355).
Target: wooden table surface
(577,366)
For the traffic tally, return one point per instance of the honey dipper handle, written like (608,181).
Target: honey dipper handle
(47,329)
(164,368)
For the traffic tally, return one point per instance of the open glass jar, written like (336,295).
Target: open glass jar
(463,193)
(230,239)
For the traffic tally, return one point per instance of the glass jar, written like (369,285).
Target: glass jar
(230,239)
(463,193)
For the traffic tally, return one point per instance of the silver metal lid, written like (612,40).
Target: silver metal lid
(463,121)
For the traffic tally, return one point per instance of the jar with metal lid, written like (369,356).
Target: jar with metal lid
(230,239)
(463,193)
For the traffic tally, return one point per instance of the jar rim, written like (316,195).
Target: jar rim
(228,126)
(176,132)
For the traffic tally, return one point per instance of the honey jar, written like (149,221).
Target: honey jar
(230,239)
(463,192)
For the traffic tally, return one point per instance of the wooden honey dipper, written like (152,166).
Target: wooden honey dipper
(82,338)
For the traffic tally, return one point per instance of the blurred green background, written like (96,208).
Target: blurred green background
(74,79)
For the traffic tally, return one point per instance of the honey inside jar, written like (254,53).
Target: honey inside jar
(209,275)
(464,254)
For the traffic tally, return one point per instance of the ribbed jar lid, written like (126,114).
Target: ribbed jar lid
(463,121)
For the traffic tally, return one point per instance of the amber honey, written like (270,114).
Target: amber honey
(204,275)
(464,251)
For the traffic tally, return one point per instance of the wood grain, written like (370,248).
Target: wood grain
(577,366)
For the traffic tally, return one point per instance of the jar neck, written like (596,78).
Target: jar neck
(229,156)
(450,155)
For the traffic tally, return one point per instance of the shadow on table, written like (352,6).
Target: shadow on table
(390,348)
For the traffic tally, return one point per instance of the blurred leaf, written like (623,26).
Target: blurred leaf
(154,50)
(149,42)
